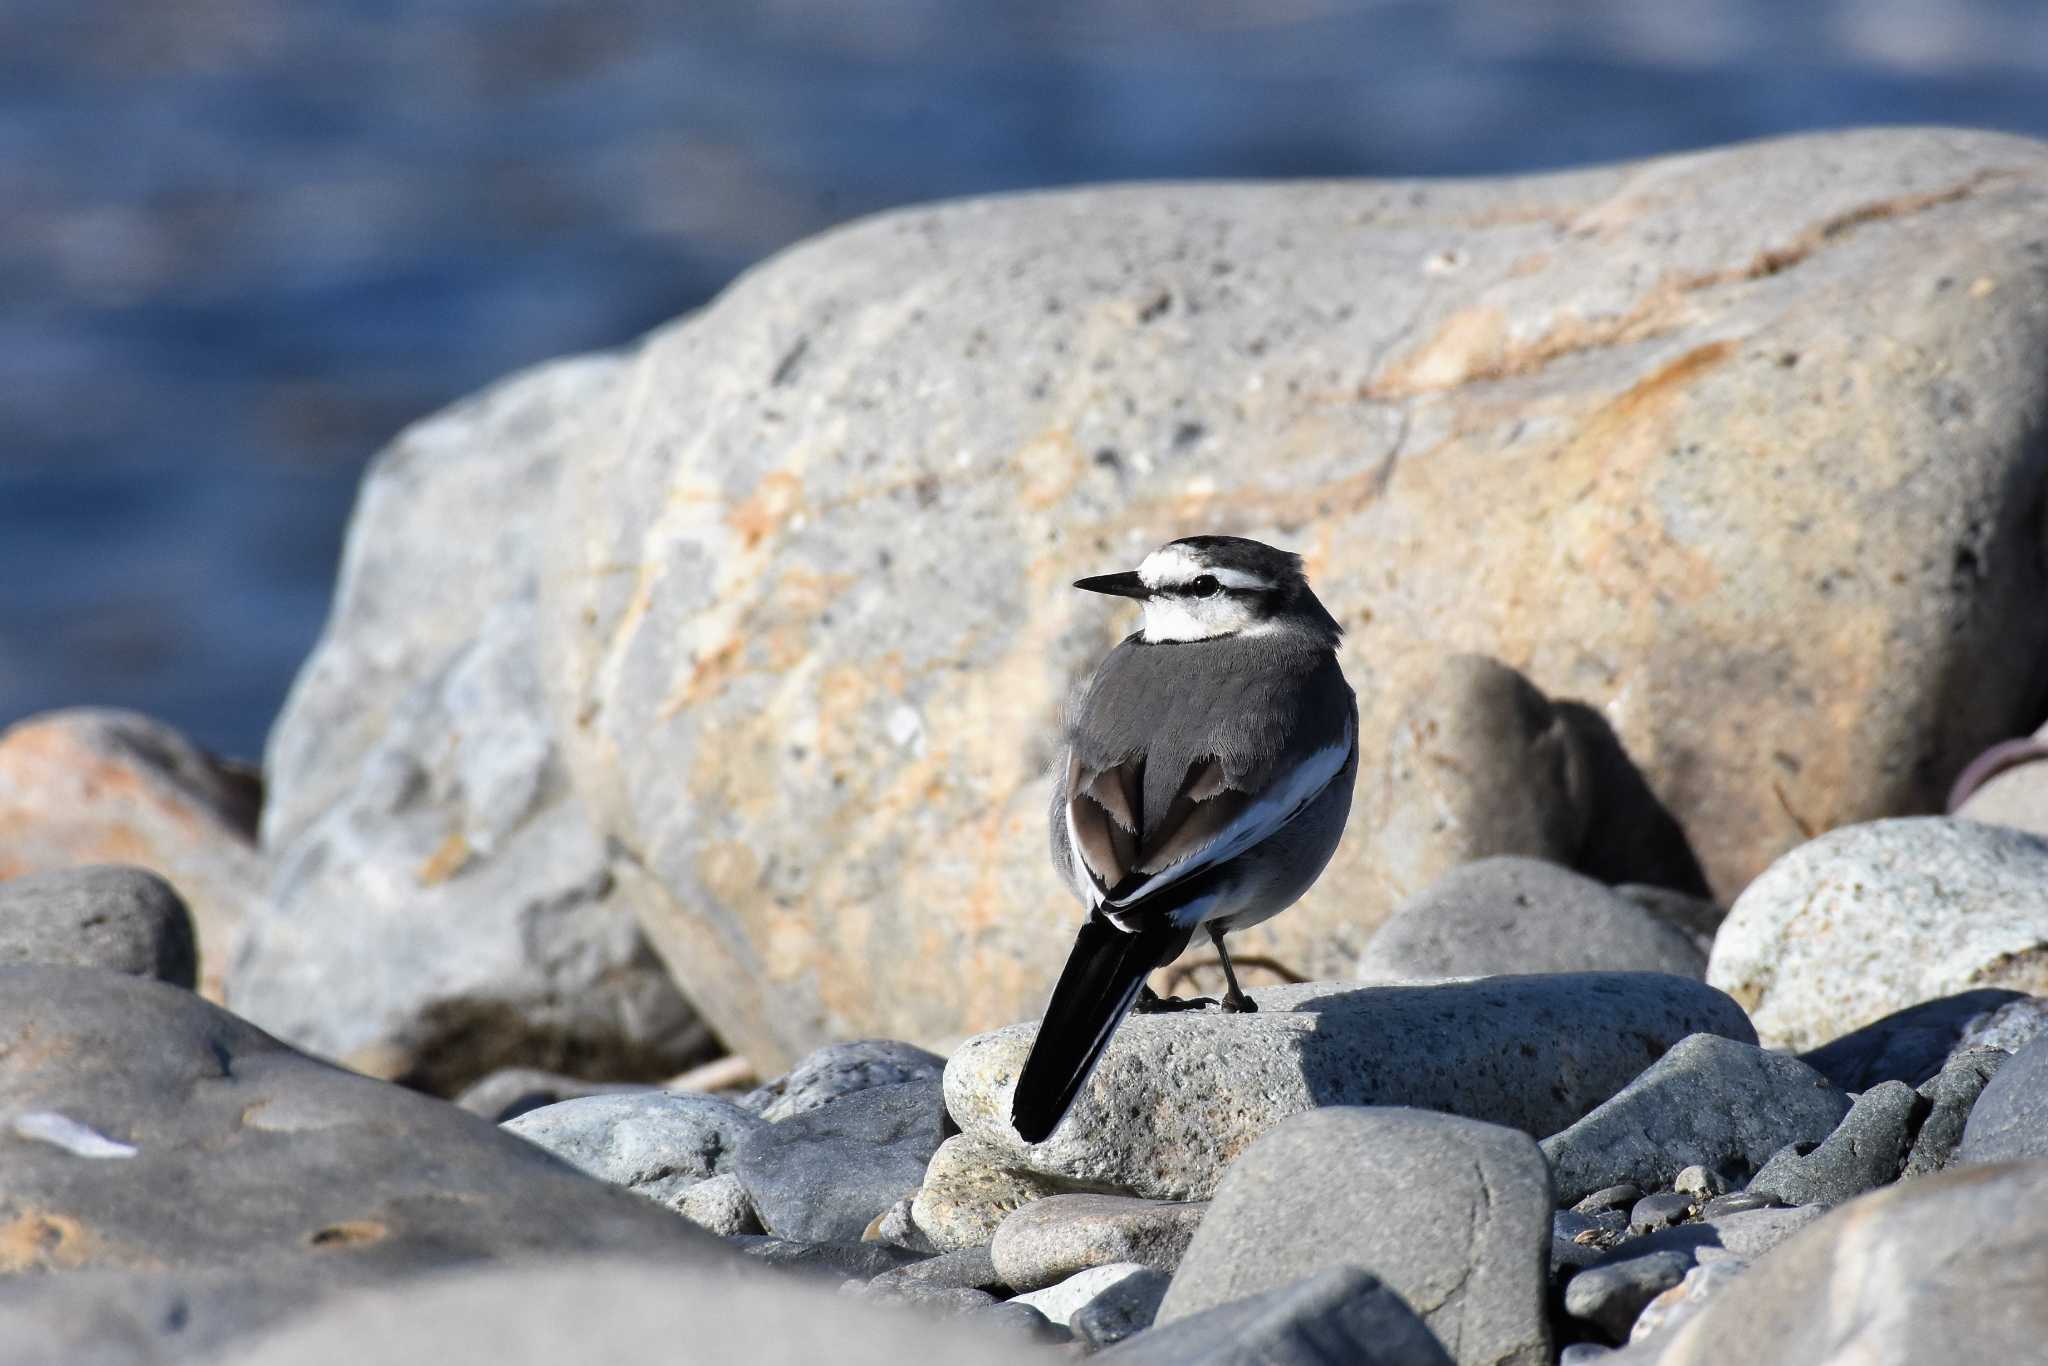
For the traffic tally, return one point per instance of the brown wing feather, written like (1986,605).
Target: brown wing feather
(1204,806)
(1103,810)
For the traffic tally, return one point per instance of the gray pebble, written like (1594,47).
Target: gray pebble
(1619,1197)
(1583,1354)
(2008,1028)
(842,1069)
(1129,1308)
(1025,1322)
(1661,1210)
(1051,1239)
(1579,1240)
(110,916)
(1703,1183)
(826,1174)
(1737,1202)
(654,1143)
(967,1268)
(1610,1295)
(1342,1314)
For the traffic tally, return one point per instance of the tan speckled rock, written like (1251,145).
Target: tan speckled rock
(1877,917)
(1738,447)
(969,1188)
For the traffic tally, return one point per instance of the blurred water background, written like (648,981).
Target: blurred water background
(242,242)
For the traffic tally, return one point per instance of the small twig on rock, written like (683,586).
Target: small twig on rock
(1805,827)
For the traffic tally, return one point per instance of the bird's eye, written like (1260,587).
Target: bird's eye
(1205,587)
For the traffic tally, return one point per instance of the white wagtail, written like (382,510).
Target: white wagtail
(1208,775)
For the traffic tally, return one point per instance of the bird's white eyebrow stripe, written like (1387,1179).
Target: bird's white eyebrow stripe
(1174,564)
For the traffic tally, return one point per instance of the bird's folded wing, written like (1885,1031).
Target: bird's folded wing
(1210,820)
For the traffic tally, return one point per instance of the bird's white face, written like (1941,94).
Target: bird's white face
(1196,601)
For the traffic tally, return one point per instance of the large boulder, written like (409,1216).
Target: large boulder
(1177,1097)
(1873,918)
(94,786)
(807,597)
(441,905)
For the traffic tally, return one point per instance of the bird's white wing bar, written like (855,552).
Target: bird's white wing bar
(1272,809)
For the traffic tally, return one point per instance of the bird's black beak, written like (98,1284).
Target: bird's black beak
(1124,585)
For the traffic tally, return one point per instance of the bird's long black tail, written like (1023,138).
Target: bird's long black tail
(1098,985)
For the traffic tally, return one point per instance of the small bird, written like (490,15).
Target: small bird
(1207,778)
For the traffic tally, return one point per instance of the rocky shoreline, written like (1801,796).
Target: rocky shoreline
(631,943)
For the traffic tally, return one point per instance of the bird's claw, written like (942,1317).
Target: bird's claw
(1151,1002)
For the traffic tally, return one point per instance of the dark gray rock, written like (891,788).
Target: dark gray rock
(1341,1316)
(510,1092)
(1950,1095)
(2009,1122)
(832,1262)
(1661,1210)
(624,1314)
(1609,1296)
(1743,1234)
(1617,1197)
(1710,1100)
(1503,915)
(1177,1096)
(1455,1213)
(840,1069)
(825,1175)
(1128,1307)
(104,916)
(654,1143)
(1736,1202)
(1866,1149)
(1907,1045)
(244,1153)
(1021,1321)
(1051,1239)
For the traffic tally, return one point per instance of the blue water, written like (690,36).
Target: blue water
(243,242)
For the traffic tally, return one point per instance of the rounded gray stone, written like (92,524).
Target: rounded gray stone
(1710,1101)
(654,1143)
(1052,1239)
(1869,919)
(1177,1097)
(1611,1295)
(970,1188)
(1502,915)
(840,1069)
(1344,1314)
(827,1173)
(1453,1214)
(1133,1289)
(2009,1122)
(103,916)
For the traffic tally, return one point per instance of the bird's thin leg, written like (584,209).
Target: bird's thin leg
(1235,1002)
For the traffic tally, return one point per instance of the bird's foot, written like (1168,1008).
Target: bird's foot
(1237,1003)
(1150,1002)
